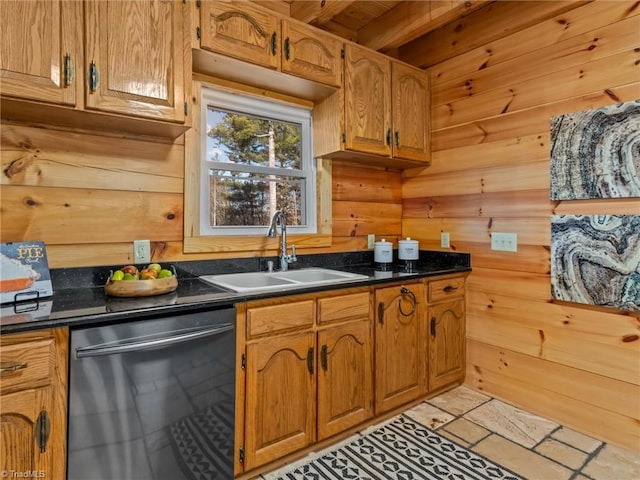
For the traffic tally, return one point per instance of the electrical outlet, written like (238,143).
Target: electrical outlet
(141,251)
(371,240)
(506,242)
(444,240)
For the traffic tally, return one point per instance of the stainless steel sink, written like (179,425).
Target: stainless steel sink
(291,279)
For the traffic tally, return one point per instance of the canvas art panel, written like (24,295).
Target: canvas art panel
(596,153)
(595,259)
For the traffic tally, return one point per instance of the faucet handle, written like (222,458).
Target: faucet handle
(293,253)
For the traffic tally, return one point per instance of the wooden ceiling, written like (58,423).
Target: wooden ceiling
(381,25)
(407,30)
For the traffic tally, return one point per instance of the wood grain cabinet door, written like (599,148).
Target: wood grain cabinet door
(309,53)
(367,83)
(135,58)
(18,427)
(400,346)
(447,343)
(345,377)
(241,31)
(410,92)
(40,49)
(280,397)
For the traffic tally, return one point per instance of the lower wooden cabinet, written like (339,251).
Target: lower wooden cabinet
(305,381)
(33,404)
(401,345)
(318,364)
(447,331)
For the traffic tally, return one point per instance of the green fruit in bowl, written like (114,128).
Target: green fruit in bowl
(117,275)
(164,273)
(128,276)
(155,266)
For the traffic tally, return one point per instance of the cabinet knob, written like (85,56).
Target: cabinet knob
(274,43)
(287,48)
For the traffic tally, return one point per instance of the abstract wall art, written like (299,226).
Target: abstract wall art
(596,153)
(595,259)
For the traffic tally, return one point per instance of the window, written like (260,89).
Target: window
(256,158)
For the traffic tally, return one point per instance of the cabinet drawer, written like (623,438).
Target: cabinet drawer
(27,365)
(446,288)
(344,307)
(280,318)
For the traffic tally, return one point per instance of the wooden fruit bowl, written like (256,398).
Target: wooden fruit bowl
(141,288)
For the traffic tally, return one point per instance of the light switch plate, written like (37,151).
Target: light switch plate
(141,251)
(371,240)
(506,242)
(444,240)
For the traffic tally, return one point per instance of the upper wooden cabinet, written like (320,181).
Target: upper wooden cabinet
(135,58)
(381,115)
(236,37)
(41,47)
(133,75)
(241,31)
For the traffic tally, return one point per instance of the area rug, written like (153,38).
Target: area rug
(203,443)
(400,450)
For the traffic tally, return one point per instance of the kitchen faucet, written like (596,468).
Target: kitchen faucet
(285,259)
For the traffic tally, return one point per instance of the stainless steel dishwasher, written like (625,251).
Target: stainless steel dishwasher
(153,399)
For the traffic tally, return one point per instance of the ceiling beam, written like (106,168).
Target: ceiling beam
(481,27)
(318,12)
(410,20)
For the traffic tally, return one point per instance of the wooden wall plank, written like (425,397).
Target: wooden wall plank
(77,216)
(525,285)
(354,183)
(474,31)
(526,176)
(558,379)
(505,65)
(40,157)
(526,122)
(607,73)
(361,218)
(600,422)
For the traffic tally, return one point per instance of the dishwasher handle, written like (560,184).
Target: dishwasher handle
(125,347)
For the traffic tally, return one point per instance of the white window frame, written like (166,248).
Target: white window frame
(269,109)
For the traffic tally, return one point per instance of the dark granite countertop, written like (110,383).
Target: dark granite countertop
(79,298)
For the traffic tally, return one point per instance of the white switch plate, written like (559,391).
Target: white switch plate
(444,240)
(141,251)
(371,240)
(506,242)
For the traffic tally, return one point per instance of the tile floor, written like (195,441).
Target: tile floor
(531,446)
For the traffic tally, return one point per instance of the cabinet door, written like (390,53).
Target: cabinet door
(401,357)
(410,93)
(312,54)
(18,426)
(241,31)
(447,343)
(138,49)
(367,79)
(37,40)
(345,377)
(280,397)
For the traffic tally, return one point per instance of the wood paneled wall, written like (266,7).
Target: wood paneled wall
(89,196)
(491,109)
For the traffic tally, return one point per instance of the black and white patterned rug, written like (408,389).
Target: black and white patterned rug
(400,450)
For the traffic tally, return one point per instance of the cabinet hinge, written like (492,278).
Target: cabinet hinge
(198,33)
(342,53)
(243,362)
(68,70)
(433,327)
(344,138)
(198,2)
(43,429)
(186,108)
(241,455)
